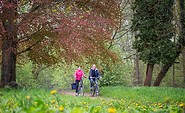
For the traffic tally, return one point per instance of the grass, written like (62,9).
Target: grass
(152,94)
(112,100)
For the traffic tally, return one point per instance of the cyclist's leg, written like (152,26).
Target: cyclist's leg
(94,87)
(91,83)
(80,91)
(77,85)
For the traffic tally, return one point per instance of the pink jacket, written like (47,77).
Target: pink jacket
(78,74)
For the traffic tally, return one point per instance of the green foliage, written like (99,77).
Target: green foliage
(24,75)
(152,23)
(62,76)
(118,74)
(47,78)
(58,76)
(42,101)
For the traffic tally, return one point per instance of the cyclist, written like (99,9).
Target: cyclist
(78,77)
(93,74)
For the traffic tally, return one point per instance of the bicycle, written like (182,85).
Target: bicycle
(81,89)
(95,87)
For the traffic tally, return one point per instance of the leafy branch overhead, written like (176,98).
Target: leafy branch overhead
(50,30)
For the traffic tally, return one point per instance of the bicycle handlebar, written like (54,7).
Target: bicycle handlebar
(94,77)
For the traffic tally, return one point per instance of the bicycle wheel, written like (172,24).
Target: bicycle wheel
(81,91)
(92,90)
(97,90)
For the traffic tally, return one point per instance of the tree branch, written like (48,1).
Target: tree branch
(26,38)
(129,57)
(30,47)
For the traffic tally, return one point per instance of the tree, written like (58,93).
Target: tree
(50,30)
(179,46)
(152,23)
(183,64)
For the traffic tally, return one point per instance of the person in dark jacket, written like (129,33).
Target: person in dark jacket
(93,73)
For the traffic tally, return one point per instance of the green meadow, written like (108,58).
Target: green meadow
(111,100)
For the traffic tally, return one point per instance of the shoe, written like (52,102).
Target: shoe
(76,94)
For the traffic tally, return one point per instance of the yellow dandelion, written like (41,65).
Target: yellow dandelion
(181,105)
(155,110)
(53,92)
(112,110)
(52,101)
(46,105)
(161,106)
(95,110)
(28,97)
(61,108)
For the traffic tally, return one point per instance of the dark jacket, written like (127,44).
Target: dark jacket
(97,74)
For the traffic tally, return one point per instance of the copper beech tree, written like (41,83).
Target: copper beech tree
(48,31)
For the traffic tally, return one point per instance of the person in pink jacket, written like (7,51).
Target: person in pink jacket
(78,77)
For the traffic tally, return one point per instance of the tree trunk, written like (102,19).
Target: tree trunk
(173,75)
(8,74)
(182,18)
(180,44)
(183,63)
(137,75)
(149,72)
(9,43)
(162,73)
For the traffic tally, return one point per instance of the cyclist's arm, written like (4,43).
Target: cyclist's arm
(83,75)
(90,73)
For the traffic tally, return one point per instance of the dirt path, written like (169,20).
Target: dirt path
(72,93)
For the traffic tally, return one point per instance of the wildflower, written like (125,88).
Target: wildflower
(53,92)
(46,105)
(52,101)
(181,105)
(112,110)
(161,106)
(61,108)
(28,97)
(167,99)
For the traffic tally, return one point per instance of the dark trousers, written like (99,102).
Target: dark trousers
(77,85)
(92,80)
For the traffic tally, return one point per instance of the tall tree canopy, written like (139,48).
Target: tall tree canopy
(50,30)
(152,23)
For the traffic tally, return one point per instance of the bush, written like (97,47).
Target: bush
(119,74)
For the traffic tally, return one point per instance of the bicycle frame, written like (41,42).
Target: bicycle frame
(95,89)
(81,89)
